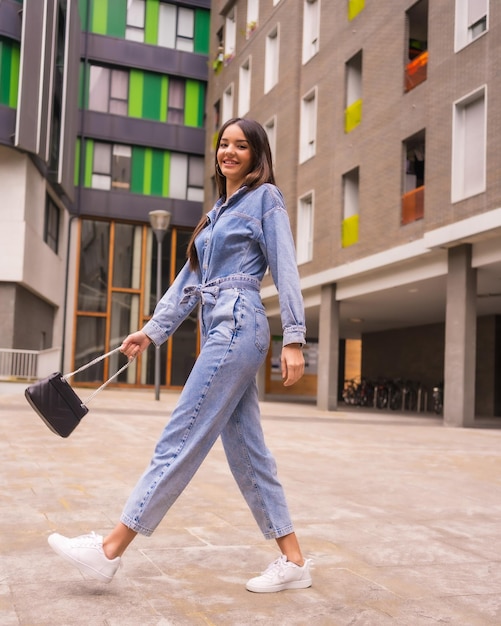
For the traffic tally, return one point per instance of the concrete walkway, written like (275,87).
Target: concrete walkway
(401,516)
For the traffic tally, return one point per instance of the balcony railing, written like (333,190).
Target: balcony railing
(413,205)
(28,364)
(349,234)
(352,116)
(416,71)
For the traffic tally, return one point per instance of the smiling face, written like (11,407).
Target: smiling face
(234,157)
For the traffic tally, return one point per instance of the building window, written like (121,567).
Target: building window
(351,184)
(230,35)
(272,59)
(471,21)
(111,166)
(413,182)
(244,88)
(195,188)
(134,29)
(252,17)
(176,27)
(308,128)
(304,233)
(175,111)
(469,146)
(271,130)
(51,224)
(108,90)
(311,28)
(186,177)
(353,104)
(417,54)
(227,104)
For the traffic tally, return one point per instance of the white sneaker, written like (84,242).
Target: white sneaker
(280,575)
(86,552)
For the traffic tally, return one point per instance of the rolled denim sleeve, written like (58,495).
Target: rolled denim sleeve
(281,256)
(173,307)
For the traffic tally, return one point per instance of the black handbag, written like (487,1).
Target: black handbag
(57,403)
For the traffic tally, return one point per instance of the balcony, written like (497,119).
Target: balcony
(413,206)
(416,71)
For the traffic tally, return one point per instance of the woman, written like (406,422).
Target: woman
(232,246)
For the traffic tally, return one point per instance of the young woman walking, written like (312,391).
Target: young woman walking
(246,232)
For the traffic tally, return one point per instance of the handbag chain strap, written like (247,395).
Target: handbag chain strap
(93,362)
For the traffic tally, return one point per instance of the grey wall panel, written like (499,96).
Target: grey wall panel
(10,19)
(7,125)
(69,121)
(127,130)
(30,76)
(48,61)
(135,207)
(153,58)
(36,77)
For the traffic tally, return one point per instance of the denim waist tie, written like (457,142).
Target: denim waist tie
(208,292)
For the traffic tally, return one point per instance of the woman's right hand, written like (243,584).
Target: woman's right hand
(134,344)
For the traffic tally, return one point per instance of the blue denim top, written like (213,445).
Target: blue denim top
(243,236)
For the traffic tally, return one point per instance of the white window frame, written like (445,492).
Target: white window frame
(351,193)
(353,79)
(228,103)
(230,34)
(136,10)
(252,16)
(311,29)
(244,87)
(271,130)
(304,228)
(470,14)
(308,126)
(272,59)
(469,165)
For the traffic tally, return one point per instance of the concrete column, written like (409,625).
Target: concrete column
(460,339)
(328,349)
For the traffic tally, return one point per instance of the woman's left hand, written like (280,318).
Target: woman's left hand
(292,361)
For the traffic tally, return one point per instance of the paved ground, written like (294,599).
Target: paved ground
(401,516)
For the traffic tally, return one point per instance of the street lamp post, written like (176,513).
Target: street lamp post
(159,221)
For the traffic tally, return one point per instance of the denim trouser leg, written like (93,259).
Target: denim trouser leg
(222,379)
(254,468)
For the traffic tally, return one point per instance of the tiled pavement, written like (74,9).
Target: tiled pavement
(401,516)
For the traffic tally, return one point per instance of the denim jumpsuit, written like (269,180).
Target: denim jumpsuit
(242,237)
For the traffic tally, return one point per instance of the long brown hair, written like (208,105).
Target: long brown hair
(261,170)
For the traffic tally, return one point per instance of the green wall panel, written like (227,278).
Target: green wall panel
(194,103)
(77,162)
(84,13)
(202,31)
(14,75)
(99,17)
(152,96)
(151,22)
(136,93)
(157,170)
(147,171)
(9,72)
(89,161)
(117,17)
(137,169)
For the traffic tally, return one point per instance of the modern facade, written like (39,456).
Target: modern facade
(118,132)
(383,119)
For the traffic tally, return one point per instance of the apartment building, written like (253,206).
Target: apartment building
(102,112)
(383,120)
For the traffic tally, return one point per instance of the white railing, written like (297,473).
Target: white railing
(28,364)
